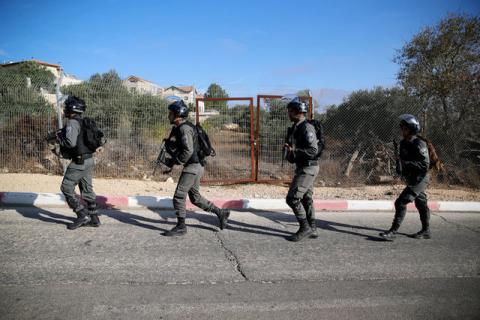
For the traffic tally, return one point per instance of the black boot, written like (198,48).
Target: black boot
(311,222)
(303,232)
(313,226)
(95,220)
(422,234)
(222,215)
(389,235)
(82,219)
(179,230)
(425,232)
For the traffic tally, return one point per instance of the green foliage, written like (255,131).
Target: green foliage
(367,113)
(216,91)
(241,116)
(16,76)
(17,97)
(441,65)
(111,104)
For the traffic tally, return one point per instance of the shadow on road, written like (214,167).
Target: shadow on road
(44,215)
(280,217)
(207,221)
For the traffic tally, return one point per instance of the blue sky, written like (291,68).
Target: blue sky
(248,47)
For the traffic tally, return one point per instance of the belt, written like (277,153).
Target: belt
(309,163)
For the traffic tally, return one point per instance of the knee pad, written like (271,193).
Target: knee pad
(400,203)
(307,202)
(194,199)
(421,205)
(293,202)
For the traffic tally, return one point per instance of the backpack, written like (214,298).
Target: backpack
(205,148)
(93,137)
(432,154)
(319,132)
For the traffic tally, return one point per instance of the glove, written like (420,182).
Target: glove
(169,162)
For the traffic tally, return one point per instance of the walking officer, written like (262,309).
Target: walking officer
(185,147)
(80,170)
(412,166)
(302,149)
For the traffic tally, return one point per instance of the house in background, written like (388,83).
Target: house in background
(69,79)
(138,85)
(55,69)
(187,93)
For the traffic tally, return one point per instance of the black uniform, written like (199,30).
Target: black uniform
(413,167)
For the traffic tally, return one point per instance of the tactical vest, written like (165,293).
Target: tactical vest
(80,148)
(300,142)
(178,138)
(409,152)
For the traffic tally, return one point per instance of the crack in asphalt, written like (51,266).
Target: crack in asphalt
(454,223)
(230,255)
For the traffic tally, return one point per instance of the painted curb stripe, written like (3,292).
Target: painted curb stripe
(265,204)
(464,206)
(52,199)
(221,203)
(112,201)
(330,204)
(150,202)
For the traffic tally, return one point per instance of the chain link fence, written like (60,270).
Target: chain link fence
(248,138)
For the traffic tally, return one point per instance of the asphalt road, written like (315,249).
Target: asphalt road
(126,269)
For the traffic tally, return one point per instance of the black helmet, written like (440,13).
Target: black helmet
(74,104)
(410,122)
(178,107)
(295,103)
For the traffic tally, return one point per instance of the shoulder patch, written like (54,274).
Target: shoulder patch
(424,151)
(310,136)
(184,140)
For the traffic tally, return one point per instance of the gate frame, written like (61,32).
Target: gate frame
(257,131)
(252,138)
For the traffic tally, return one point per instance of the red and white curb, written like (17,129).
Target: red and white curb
(57,200)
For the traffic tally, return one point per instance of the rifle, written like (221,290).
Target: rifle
(51,136)
(52,140)
(398,162)
(162,158)
(288,140)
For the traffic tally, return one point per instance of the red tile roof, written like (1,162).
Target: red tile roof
(43,63)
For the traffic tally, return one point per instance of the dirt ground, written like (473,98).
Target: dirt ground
(14,182)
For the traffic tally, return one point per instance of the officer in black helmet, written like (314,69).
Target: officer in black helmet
(302,149)
(80,170)
(412,166)
(185,152)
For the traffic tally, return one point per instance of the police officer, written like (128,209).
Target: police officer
(302,149)
(80,170)
(185,152)
(412,165)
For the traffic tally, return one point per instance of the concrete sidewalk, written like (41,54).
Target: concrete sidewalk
(8,199)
